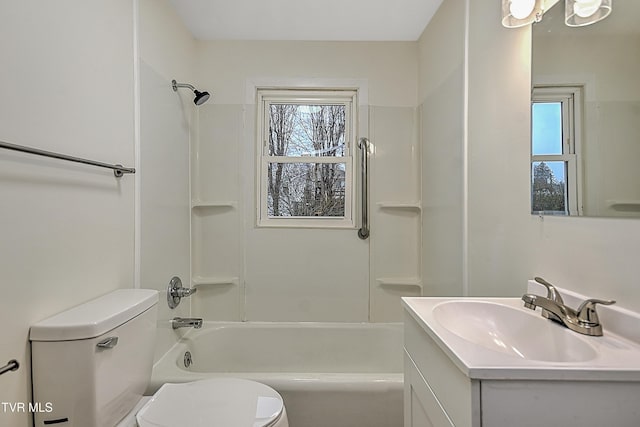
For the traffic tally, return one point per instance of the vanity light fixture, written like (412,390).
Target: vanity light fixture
(518,13)
(578,13)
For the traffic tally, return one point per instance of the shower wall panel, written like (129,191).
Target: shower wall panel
(166,124)
(295,274)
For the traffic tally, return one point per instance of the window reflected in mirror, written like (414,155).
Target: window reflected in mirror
(586,115)
(555,150)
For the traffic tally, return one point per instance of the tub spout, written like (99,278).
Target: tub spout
(186,322)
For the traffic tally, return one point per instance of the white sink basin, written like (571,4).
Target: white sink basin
(512,331)
(497,338)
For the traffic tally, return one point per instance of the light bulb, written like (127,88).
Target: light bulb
(586,8)
(520,9)
(579,13)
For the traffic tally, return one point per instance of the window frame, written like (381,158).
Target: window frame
(306,96)
(570,98)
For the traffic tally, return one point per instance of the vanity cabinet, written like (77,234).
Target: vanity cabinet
(437,393)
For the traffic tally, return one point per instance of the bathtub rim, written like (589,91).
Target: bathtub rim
(165,370)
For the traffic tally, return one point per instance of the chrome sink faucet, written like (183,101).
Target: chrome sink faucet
(552,295)
(584,320)
(186,322)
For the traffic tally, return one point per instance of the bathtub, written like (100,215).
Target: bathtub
(329,374)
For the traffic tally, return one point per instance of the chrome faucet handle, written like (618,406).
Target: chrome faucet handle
(184,292)
(175,292)
(552,293)
(587,314)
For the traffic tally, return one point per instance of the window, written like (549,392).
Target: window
(305,150)
(555,148)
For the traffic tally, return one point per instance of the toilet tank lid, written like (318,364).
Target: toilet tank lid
(95,317)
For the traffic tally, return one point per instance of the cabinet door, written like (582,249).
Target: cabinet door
(533,403)
(458,395)
(421,407)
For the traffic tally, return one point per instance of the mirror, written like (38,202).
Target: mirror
(591,73)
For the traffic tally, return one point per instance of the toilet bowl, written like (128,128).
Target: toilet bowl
(92,364)
(229,402)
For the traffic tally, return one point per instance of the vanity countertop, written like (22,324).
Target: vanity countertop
(615,356)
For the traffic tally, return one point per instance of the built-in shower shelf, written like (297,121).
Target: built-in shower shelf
(197,204)
(624,205)
(214,281)
(400,205)
(400,281)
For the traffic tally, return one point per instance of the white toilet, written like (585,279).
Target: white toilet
(92,363)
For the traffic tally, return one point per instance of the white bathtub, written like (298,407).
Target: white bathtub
(329,374)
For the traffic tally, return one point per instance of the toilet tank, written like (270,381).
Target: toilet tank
(91,364)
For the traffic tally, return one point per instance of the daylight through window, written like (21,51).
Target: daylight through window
(555,149)
(306,163)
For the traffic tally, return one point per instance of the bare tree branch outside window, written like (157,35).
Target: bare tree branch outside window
(306,188)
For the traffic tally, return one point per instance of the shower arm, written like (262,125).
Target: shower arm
(200,97)
(175,85)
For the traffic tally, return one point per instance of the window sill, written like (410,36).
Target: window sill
(341,223)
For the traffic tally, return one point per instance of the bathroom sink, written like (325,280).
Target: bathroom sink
(491,361)
(513,331)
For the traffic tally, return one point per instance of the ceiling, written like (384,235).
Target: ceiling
(312,20)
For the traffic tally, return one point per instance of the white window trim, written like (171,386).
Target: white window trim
(571,99)
(316,96)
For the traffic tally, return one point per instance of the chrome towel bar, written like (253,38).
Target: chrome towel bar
(363,144)
(118,170)
(12,365)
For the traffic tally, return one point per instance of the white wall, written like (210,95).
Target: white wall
(166,52)
(442,108)
(498,122)
(274,273)
(596,257)
(504,244)
(67,229)
(389,66)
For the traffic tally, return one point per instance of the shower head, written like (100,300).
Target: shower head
(200,97)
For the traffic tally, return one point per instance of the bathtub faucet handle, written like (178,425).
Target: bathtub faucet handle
(175,292)
(185,292)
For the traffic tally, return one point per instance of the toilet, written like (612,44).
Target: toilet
(91,365)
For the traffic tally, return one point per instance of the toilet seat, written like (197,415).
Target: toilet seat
(228,402)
